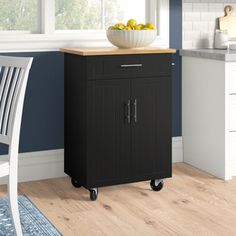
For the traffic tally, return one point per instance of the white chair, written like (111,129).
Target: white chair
(14,73)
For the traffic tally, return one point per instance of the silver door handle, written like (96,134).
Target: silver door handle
(135,110)
(128,112)
(131,65)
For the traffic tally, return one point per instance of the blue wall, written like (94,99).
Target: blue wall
(176,42)
(43,116)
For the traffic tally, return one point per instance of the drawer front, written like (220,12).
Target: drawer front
(129,66)
(232,78)
(232,113)
(232,152)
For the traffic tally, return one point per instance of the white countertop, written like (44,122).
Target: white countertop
(214,54)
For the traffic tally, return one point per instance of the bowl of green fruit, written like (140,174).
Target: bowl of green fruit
(131,35)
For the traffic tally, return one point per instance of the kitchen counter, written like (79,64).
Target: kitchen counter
(209,110)
(115,51)
(214,54)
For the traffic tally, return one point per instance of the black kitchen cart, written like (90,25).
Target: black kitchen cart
(117,116)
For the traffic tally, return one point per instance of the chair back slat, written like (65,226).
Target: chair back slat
(4,78)
(15,100)
(14,72)
(17,76)
(4,96)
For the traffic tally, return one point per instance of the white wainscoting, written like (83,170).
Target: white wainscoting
(39,165)
(50,164)
(177,150)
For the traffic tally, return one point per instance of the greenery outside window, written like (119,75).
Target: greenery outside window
(96,14)
(19,15)
(51,24)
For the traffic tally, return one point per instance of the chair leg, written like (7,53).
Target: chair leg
(12,193)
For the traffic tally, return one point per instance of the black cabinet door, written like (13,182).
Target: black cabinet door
(108,136)
(151,127)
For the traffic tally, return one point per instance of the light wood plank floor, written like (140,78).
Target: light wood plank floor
(191,203)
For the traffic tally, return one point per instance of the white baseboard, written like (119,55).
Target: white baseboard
(39,165)
(177,149)
(50,164)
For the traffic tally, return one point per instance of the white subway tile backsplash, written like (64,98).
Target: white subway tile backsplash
(234,6)
(222,1)
(216,7)
(207,16)
(200,7)
(188,44)
(200,21)
(200,25)
(191,1)
(208,1)
(187,7)
(192,16)
(188,26)
(193,35)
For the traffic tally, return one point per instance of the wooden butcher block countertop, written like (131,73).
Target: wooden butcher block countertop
(115,51)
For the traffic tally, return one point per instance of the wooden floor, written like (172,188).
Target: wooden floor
(191,203)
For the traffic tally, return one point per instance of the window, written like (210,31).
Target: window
(51,24)
(19,15)
(78,14)
(96,14)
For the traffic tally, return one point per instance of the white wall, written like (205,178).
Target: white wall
(200,21)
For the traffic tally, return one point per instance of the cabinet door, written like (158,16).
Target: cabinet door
(232,112)
(108,138)
(151,129)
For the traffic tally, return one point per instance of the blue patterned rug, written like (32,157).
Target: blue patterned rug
(32,220)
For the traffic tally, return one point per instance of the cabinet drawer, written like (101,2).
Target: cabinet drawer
(232,78)
(129,66)
(232,152)
(232,112)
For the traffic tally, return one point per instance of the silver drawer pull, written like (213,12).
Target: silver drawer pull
(131,65)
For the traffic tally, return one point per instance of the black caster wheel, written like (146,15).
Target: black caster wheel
(156,184)
(75,183)
(93,194)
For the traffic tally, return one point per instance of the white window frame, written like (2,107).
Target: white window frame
(50,40)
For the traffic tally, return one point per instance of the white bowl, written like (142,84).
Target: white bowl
(131,38)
